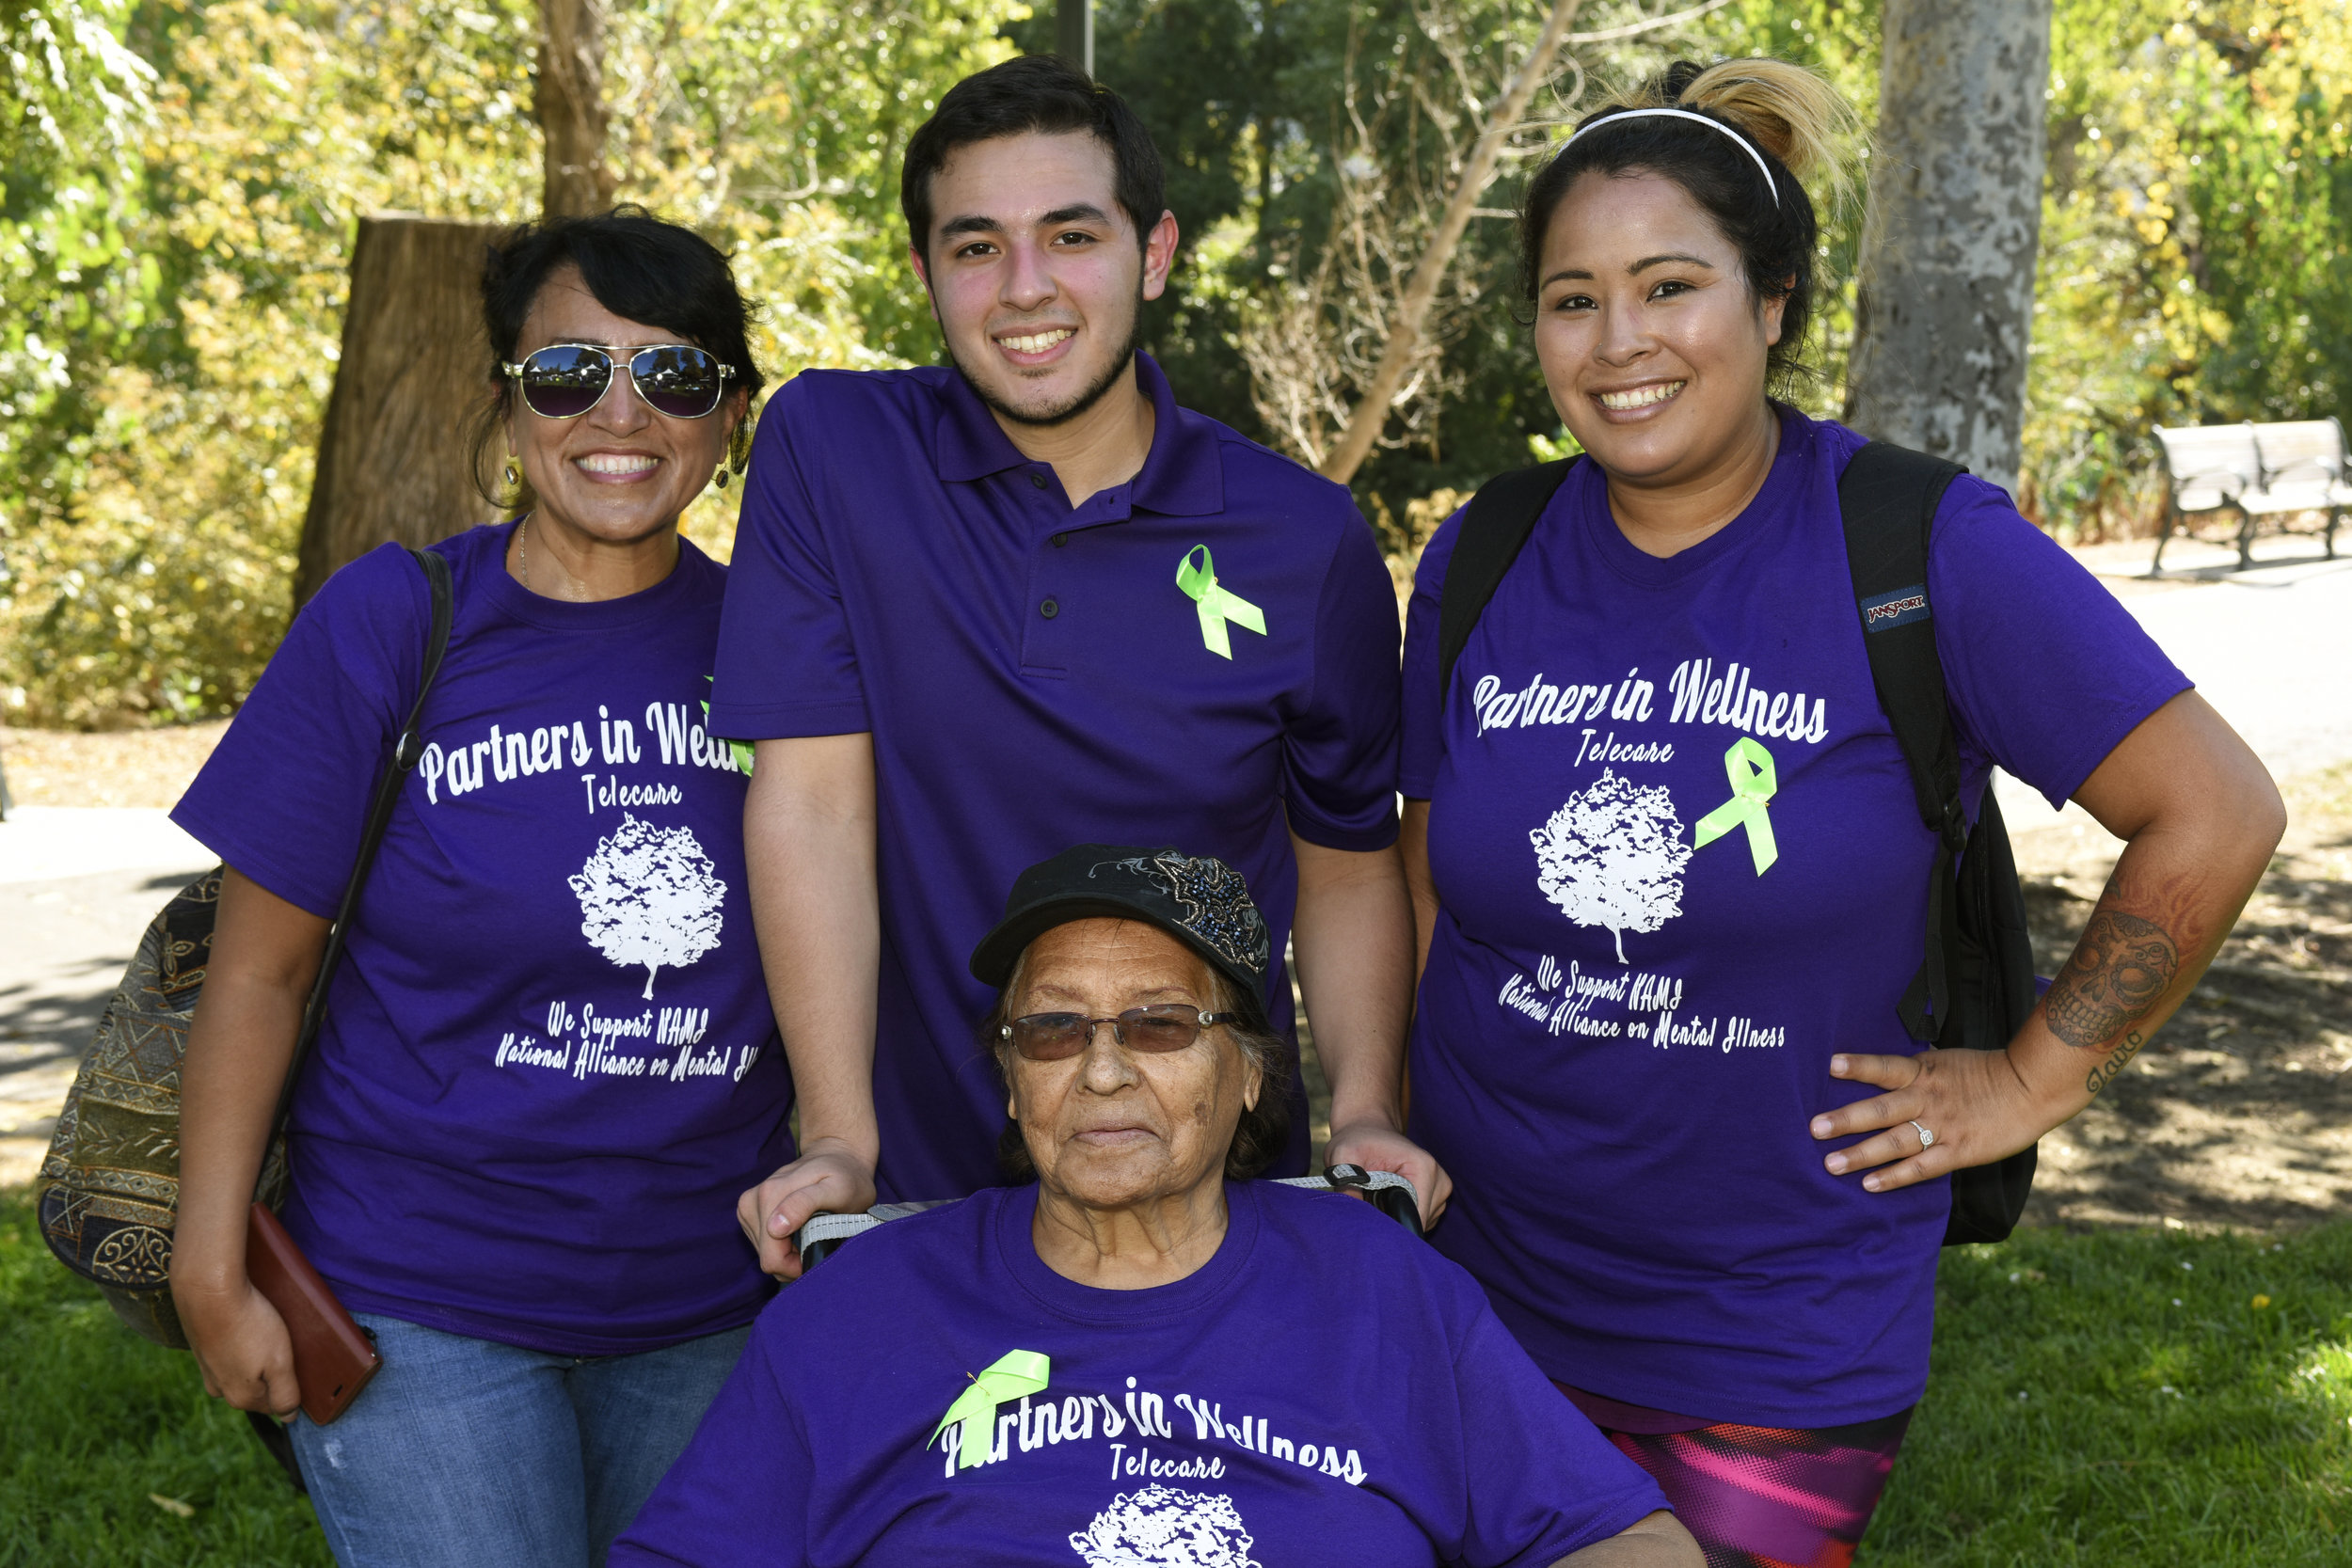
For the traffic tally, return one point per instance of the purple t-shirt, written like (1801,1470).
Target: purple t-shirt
(1324,1389)
(1035,678)
(549,1065)
(1680,866)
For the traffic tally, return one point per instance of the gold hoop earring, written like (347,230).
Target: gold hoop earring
(513,475)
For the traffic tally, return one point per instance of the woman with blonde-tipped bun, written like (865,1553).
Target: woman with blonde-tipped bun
(1671,872)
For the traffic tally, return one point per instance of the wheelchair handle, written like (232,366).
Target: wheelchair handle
(824,1234)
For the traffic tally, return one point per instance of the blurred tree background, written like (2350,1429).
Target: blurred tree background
(175,250)
(183,178)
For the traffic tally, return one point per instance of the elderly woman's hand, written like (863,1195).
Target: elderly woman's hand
(827,1179)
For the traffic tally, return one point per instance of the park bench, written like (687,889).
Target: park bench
(2261,470)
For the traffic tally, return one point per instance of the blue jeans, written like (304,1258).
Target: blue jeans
(464,1453)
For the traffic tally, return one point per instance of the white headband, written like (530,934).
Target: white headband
(1745,146)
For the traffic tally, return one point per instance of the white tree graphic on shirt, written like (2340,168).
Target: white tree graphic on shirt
(1613,856)
(1160,1526)
(649,896)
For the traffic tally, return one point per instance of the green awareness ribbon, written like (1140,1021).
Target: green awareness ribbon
(1014,1373)
(739,750)
(1752,785)
(1217,604)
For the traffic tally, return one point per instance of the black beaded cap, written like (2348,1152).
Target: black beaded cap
(1200,901)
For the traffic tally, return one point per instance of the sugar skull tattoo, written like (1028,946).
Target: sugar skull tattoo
(2123,965)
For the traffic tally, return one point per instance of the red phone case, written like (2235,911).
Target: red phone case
(333,1357)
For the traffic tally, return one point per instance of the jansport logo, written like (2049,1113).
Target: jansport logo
(1897,608)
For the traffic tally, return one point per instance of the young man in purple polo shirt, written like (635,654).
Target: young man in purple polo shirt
(977,614)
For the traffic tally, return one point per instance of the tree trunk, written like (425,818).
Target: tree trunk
(1421,290)
(1946,308)
(570,108)
(1073,33)
(392,464)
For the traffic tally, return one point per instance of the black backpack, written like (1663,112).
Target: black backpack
(1975,988)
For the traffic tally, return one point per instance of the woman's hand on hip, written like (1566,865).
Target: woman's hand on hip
(241,1346)
(827,1179)
(1974,1108)
(2198,817)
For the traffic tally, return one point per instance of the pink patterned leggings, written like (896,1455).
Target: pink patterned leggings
(1771,1496)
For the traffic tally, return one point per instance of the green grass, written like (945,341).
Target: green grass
(2209,1433)
(2118,1398)
(93,1418)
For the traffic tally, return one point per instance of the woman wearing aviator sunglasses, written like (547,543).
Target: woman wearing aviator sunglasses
(609,434)
(548,1059)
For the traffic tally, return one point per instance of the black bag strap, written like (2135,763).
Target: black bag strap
(1887,497)
(1494,529)
(405,751)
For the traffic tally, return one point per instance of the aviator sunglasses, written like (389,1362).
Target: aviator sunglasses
(564,381)
(1057,1037)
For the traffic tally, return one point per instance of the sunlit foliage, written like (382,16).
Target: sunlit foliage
(1269,111)
(2195,238)
(151,562)
(74,103)
(180,181)
(151,498)
(2198,214)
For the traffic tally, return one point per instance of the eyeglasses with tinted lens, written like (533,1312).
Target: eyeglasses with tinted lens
(1057,1036)
(564,381)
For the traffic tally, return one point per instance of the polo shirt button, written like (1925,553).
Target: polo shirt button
(1060,539)
(1037,479)
(1049,609)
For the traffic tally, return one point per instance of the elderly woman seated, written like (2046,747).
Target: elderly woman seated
(1143,1359)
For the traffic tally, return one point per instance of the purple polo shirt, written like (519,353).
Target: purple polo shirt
(1036,675)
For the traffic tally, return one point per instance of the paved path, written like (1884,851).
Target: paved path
(64,940)
(2270,648)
